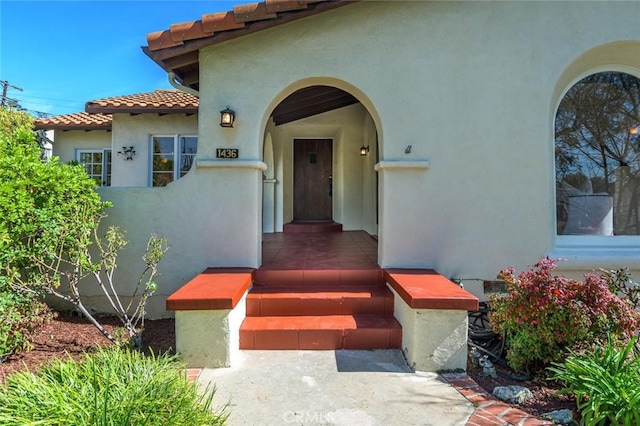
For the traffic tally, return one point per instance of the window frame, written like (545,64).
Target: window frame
(176,152)
(612,251)
(105,180)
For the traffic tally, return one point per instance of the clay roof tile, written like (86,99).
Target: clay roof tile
(252,12)
(284,5)
(161,40)
(220,21)
(188,31)
(160,101)
(76,121)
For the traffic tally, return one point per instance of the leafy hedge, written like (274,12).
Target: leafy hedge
(39,202)
(544,315)
(20,315)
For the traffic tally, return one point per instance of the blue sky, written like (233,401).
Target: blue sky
(64,53)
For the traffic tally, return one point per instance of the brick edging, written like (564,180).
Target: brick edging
(489,410)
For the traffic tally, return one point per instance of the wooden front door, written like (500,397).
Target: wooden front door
(312,179)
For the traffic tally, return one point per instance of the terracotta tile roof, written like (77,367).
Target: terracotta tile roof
(77,121)
(238,18)
(175,49)
(160,101)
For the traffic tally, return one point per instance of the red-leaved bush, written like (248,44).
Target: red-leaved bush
(544,315)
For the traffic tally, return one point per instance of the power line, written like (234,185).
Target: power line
(5,86)
(51,99)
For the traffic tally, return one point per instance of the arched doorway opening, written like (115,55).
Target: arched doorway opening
(320,147)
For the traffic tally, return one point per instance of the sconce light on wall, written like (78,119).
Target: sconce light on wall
(364,150)
(227,117)
(128,152)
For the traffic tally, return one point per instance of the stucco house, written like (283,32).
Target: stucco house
(465,136)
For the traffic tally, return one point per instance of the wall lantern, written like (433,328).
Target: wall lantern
(128,152)
(227,117)
(364,150)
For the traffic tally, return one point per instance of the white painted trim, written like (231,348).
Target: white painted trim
(176,154)
(231,164)
(580,252)
(103,151)
(402,165)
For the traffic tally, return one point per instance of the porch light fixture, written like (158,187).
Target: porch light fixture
(364,150)
(227,117)
(128,152)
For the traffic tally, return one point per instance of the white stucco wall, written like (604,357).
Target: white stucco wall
(136,131)
(472,86)
(68,142)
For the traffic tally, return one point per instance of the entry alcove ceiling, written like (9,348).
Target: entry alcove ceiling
(311,101)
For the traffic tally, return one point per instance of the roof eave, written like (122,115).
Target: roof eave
(71,127)
(93,109)
(163,55)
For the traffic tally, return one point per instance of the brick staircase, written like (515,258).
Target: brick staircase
(320,309)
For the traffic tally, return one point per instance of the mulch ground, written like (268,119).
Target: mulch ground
(69,336)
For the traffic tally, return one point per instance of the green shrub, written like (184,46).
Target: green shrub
(20,315)
(110,387)
(620,283)
(606,384)
(39,202)
(543,315)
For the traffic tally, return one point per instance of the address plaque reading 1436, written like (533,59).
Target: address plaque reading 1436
(227,153)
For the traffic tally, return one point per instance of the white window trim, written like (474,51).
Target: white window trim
(79,151)
(624,252)
(176,171)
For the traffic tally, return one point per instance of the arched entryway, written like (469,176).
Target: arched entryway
(320,285)
(320,147)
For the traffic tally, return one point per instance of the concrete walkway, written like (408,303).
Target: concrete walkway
(342,387)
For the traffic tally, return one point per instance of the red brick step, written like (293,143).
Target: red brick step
(311,227)
(313,277)
(327,332)
(319,300)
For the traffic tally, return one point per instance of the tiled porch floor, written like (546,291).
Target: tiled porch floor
(348,250)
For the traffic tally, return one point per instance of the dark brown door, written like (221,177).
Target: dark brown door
(312,179)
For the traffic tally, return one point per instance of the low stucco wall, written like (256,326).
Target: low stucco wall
(432,339)
(194,215)
(210,339)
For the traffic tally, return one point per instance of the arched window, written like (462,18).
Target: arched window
(597,151)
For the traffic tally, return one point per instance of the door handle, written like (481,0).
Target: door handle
(330,186)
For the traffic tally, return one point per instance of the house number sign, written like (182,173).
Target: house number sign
(227,153)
